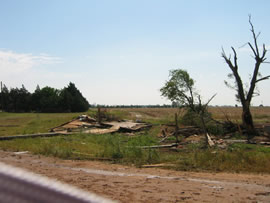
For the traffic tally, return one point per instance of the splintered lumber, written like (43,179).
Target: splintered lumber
(100,131)
(209,140)
(55,128)
(159,146)
(128,126)
(89,125)
(79,122)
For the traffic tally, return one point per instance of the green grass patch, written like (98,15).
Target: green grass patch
(237,158)
(116,147)
(123,149)
(28,123)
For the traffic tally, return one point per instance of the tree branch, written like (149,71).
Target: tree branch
(264,53)
(210,99)
(243,45)
(253,50)
(227,60)
(240,89)
(254,37)
(235,59)
(264,78)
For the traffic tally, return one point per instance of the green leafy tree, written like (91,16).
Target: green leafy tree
(19,100)
(36,98)
(180,88)
(49,100)
(5,98)
(72,99)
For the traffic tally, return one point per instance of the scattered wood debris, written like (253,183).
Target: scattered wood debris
(191,134)
(86,124)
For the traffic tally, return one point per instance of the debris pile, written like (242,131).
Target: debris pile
(87,124)
(192,134)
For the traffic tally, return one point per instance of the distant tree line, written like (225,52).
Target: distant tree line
(134,106)
(45,100)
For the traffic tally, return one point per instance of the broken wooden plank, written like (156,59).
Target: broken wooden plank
(209,140)
(32,135)
(102,131)
(159,146)
(53,129)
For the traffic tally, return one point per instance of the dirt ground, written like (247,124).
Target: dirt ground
(130,184)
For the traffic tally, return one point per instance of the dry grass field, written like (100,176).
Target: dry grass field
(260,114)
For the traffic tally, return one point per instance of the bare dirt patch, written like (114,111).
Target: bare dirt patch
(129,184)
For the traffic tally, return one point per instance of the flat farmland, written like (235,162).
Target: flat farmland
(117,166)
(260,114)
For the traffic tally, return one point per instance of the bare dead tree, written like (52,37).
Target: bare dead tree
(245,96)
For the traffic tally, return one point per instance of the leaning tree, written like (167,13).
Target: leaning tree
(180,89)
(244,96)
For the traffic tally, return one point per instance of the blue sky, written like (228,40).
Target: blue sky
(120,52)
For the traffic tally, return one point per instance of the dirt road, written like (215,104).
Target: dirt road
(129,184)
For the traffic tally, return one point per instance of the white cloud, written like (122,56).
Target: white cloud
(12,62)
